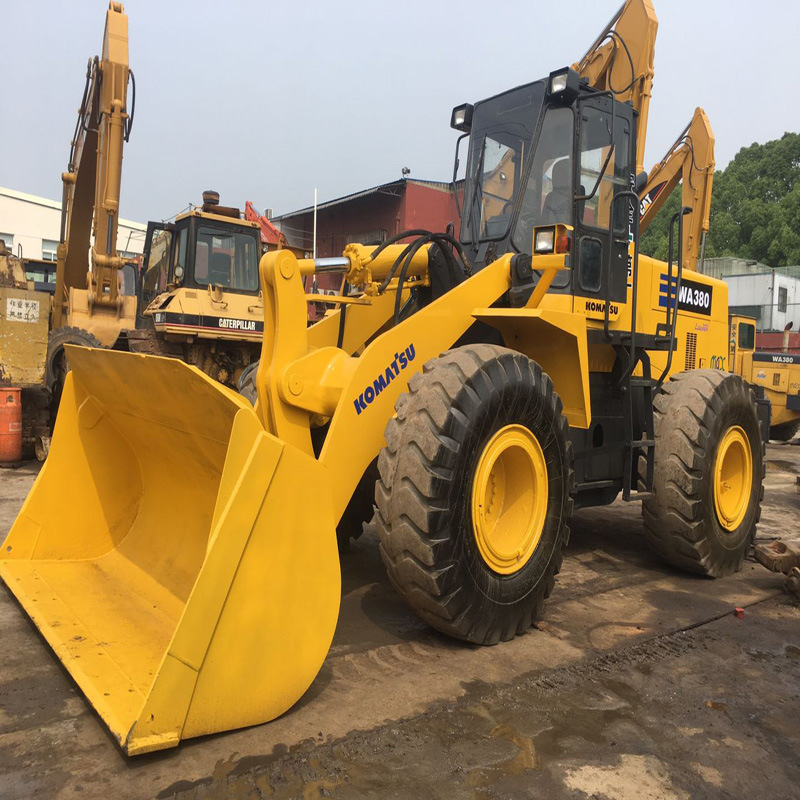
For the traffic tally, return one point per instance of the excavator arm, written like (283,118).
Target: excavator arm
(270,235)
(620,61)
(91,190)
(691,161)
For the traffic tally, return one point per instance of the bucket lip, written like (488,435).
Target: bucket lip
(19,574)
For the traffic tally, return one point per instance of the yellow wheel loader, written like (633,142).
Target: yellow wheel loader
(170,551)
(777,375)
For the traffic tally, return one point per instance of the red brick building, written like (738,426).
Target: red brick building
(371,216)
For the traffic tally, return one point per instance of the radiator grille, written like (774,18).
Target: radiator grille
(691,351)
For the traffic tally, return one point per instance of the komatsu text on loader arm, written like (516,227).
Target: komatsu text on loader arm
(170,551)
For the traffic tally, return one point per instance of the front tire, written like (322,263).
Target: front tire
(709,472)
(473,501)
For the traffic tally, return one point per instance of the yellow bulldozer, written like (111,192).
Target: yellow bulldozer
(170,551)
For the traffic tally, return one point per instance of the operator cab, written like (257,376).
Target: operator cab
(551,152)
(209,250)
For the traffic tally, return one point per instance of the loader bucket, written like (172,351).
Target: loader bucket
(179,559)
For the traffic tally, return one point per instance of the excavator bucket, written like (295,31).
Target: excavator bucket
(172,554)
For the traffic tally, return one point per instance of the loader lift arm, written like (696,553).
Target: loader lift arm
(691,161)
(620,61)
(90,204)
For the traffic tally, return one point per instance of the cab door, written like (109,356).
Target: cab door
(156,260)
(603,226)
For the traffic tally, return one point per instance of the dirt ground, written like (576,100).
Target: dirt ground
(639,683)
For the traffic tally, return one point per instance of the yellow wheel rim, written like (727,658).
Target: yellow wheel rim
(733,478)
(509,499)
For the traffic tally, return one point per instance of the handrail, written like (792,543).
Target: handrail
(634,276)
(673,318)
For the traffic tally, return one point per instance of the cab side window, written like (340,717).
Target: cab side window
(747,336)
(596,153)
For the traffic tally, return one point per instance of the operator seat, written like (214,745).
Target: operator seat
(219,269)
(558,201)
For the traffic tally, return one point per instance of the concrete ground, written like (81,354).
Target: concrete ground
(639,683)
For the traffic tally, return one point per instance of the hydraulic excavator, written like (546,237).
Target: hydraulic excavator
(170,551)
(689,161)
(197,295)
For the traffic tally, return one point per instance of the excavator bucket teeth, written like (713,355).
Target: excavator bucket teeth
(180,560)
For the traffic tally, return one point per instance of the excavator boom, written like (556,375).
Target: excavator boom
(690,160)
(620,61)
(90,204)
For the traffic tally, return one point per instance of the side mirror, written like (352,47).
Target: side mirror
(641,182)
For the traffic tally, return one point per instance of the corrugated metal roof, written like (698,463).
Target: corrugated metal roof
(384,188)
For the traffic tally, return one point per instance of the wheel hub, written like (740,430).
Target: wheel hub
(509,498)
(733,478)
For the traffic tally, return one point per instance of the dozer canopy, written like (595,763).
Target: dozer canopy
(171,554)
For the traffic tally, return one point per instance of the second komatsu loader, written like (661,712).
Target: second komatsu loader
(170,551)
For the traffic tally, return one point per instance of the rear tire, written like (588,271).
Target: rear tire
(707,438)
(433,545)
(247,383)
(57,365)
(785,431)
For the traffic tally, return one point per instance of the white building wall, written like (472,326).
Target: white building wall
(764,291)
(792,314)
(32,221)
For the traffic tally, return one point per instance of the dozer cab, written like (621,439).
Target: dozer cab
(199,291)
(170,552)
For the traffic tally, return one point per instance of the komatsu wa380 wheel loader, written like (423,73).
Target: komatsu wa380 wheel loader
(170,551)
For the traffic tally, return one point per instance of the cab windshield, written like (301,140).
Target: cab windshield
(503,128)
(549,190)
(226,259)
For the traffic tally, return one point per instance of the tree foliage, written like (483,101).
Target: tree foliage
(755,207)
